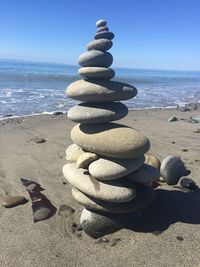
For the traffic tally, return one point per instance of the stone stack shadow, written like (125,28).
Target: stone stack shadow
(108,172)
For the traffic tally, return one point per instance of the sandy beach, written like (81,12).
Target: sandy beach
(168,233)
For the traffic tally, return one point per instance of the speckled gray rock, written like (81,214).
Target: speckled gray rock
(101,23)
(96,73)
(110,139)
(105,34)
(147,174)
(95,58)
(100,91)
(172,169)
(42,213)
(144,197)
(112,168)
(95,112)
(107,191)
(102,29)
(100,44)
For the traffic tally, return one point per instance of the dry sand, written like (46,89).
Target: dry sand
(151,242)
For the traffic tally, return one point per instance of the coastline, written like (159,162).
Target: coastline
(174,213)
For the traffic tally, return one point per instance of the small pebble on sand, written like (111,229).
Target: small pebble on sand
(12,201)
(38,140)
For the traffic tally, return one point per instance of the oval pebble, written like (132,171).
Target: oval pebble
(100,91)
(100,44)
(95,112)
(96,73)
(95,58)
(110,139)
(105,34)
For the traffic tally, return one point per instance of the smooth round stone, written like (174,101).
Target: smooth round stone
(107,191)
(97,225)
(73,152)
(172,169)
(112,168)
(96,73)
(101,23)
(144,197)
(102,29)
(100,91)
(94,112)
(105,34)
(95,58)
(147,174)
(110,139)
(86,159)
(100,44)
(150,159)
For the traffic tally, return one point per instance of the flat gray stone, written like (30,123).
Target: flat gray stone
(102,29)
(42,213)
(144,197)
(101,23)
(96,73)
(112,168)
(110,139)
(107,191)
(100,44)
(100,91)
(105,34)
(95,112)
(95,58)
(147,174)
(172,169)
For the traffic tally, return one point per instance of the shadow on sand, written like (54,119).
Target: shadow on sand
(168,208)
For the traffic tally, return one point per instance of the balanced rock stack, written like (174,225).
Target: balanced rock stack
(108,171)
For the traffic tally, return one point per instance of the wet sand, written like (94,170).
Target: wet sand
(167,234)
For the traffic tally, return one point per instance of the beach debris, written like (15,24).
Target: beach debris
(172,169)
(179,238)
(114,241)
(152,160)
(101,240)
(65,211)
(73,152)
(85,159)
(12,201)
(38,140)
(185,150)
(41,205)
(172,119)
(113,179)
(188,183)
(196,130)
(57,113)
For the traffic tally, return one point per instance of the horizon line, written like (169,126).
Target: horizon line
(119,67)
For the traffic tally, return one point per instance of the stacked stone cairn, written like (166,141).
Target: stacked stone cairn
(107,170)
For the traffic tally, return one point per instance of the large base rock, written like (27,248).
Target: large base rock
(97,225)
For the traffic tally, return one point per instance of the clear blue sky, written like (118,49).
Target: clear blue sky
(159,34)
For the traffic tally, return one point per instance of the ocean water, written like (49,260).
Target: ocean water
(29,87)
